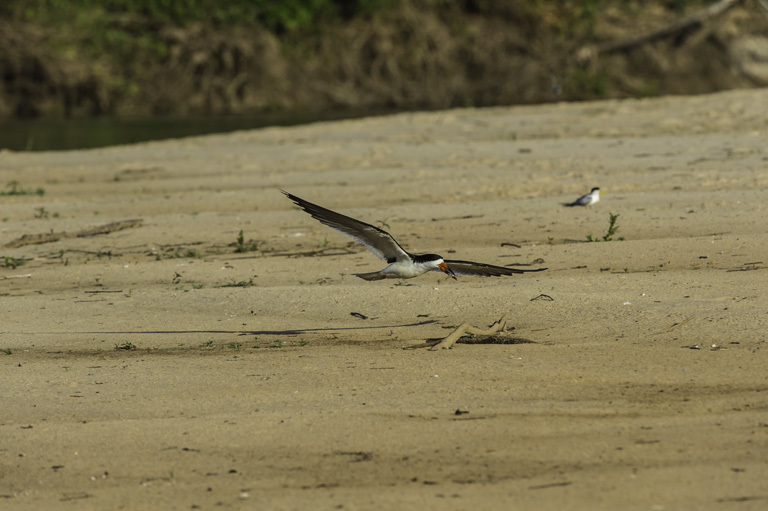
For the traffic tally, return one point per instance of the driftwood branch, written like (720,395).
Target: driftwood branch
(464,329)
(49,237)
(590,53)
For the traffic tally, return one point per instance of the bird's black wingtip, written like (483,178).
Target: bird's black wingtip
(296,200)
(529,271)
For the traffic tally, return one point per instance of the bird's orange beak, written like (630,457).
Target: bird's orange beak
(447,270)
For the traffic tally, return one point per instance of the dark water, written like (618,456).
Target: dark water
(66,134)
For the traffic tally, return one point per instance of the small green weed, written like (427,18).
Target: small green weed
(242,246)
(125,346)
(14,188)
(612,228)
(11,262)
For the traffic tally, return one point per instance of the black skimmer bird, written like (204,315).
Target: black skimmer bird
(402,264)
(586,200)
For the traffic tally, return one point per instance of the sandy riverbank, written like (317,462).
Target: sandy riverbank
(643,384)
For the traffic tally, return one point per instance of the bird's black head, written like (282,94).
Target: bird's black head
(426,258)
(437,261)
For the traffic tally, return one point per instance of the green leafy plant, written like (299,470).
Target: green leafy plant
(42,213)
(11,262)
(612,228)
(242,246)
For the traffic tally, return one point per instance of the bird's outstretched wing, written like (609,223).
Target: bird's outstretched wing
(378,241)
(484,270)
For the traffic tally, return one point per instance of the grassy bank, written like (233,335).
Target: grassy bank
(127,57)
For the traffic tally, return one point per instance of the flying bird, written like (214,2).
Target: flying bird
(586,200)
(402,264)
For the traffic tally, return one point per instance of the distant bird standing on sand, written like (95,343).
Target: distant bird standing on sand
(402,264)
(586,200)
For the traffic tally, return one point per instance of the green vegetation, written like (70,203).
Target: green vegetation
(116,19)
(11,262)
(14,188)
(593,85)
(124,48)
(612,228)
(281,16)
(242,246)
(41,212)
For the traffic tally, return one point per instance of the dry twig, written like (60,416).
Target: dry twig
(464,328)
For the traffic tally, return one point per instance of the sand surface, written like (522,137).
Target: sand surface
(154,367)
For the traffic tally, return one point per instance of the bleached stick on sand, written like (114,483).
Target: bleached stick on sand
(464,328)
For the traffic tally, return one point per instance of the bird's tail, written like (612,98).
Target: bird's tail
(374,275)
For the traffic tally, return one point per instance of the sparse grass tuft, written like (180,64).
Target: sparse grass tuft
(189,253)
(14,188)
(242,283)
(127,345)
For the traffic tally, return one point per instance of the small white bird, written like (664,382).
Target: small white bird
(402,264)
(586,200)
